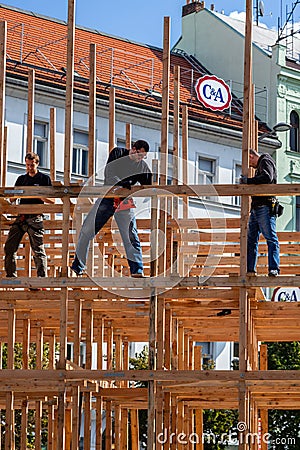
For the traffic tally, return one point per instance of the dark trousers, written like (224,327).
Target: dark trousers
(33,226)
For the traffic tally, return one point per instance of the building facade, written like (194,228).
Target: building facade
(276,77)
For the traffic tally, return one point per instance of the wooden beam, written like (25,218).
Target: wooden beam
(30,110)
(3,43)
(68,144)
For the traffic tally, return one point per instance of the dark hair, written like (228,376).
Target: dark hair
(32,157)
(253,152)
(141,144)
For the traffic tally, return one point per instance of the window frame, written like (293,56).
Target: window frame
(80,149)
(37,138)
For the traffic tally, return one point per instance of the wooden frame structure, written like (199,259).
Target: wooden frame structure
(183,300)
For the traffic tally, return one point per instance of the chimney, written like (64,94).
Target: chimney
(192,7)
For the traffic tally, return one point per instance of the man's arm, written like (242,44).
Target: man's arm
(266,174)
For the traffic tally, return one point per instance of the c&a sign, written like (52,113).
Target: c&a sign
(286,294)
(213,92)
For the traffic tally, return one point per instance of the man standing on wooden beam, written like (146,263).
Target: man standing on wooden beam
(123,169)
(32,224)
(264,211)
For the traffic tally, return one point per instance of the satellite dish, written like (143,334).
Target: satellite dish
(261,8)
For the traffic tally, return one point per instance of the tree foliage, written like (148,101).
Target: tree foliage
(284,426)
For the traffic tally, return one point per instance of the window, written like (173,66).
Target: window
(237,173)
(80,153)
(294,132)
(207,170)
(40,142)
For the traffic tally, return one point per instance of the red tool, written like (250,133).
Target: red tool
(122,205)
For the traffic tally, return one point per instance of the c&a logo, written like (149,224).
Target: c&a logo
(213,92)
(286,294)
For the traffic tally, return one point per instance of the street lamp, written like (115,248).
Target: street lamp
(280,126)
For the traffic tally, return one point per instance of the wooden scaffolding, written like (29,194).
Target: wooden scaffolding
(196,290)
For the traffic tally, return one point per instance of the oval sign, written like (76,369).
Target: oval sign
(213,92)
(286,294)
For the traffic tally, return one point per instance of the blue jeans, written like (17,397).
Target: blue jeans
(261,221)
(100,213)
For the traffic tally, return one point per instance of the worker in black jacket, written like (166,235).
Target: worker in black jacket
(124,168)
(262,218)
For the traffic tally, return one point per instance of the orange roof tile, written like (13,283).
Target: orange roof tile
(133,69)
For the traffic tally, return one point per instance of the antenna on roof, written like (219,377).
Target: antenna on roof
(259,10)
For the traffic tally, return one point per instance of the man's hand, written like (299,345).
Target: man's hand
(243,179)
(126,184)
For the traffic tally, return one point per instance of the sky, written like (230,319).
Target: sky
(142,21)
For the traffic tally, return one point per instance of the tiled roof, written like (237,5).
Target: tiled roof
(134,69)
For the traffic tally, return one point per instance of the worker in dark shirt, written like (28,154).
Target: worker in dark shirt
(32,224)
(262,219)
(124,168)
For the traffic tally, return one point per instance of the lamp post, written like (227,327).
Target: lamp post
(279,127)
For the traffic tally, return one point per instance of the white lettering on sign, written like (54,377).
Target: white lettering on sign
(213,92)
(286,295)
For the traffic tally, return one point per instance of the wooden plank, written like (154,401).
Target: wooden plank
(30,110)
(69,93)
(92,114)
(52,144)
(3,44)
(112,117)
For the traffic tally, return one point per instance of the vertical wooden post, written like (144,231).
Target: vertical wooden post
(30,112)
(160,331)
(88,362)
(174,417)
(3,37)
(5,149)
(112,117)
(11,338)
(153,316)
(77,330)
(75,417)
(246,143)
(38,403)
(128,135)
(134,429)
(164,141)
(51,413)
(168,329)
(87,420)
(25,343)
(89,336)
(92,114)
(185,157)
(117,427)
(61,413)
(108,429)
(24,421)
(124,429)
(180,347)
(99,429)
(52,144)
(264,412)
(176,123)
(110,343)
(9,422)
(69,91)
(100,339)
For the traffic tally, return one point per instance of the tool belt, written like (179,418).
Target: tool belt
(276,209)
